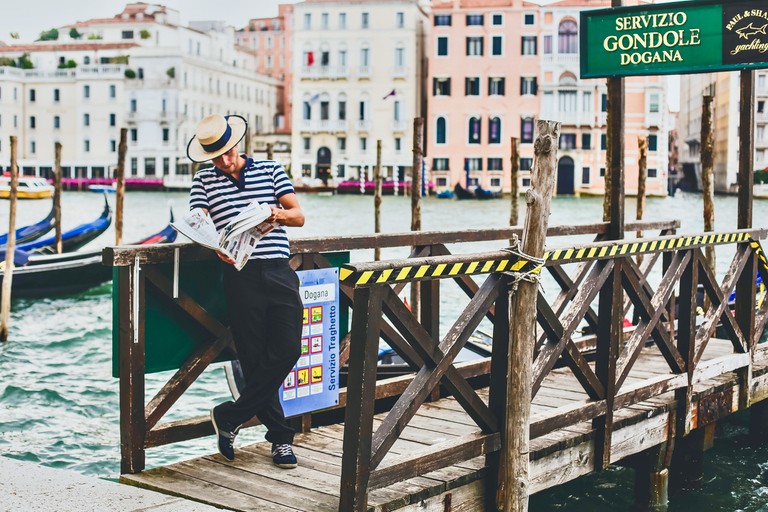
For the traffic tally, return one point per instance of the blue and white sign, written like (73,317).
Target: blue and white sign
(313,383)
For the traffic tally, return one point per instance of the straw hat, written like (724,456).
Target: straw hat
(214,136)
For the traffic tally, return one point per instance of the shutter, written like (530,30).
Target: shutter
(522,85)
(467,46)
(448,87)
(481,45)
(434,86)
(501,86)
(535,86)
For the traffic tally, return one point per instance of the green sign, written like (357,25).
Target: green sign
(673,38)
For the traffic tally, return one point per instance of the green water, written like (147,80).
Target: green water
(59,403)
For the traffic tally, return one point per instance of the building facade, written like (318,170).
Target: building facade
(140,70)
(358,78)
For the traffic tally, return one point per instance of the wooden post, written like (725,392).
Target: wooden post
(616,135)
(120,192)
(377,198)
(652,478)
(248,142)
(195,168)
(269,151)
(418,153)
(707,175)
(57,196)
(513,492)
(514,191)
(642,171)
(5,299)
(608,171)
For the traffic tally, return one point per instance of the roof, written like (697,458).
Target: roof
(129,15)
(66,47)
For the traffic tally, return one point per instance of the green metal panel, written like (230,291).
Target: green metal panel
(674,38)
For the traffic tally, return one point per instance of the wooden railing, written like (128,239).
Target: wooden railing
(138,267)
(605,271)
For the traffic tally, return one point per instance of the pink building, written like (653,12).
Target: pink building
(496,65)
(269,39)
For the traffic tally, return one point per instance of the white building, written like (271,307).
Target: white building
(140,70)
(358,71)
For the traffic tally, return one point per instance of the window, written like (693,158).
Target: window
(494,132)
(112,145)
(497,20)
(134,135)
(133,105)
(568,37)
(86,60)
(547,42)
(530,19)
(399,20)
(342,61)
(496,45)
(760,107)
(495,182)
(603,142)
(494,164)
(440,131)
(474,131)
(496,86)
(31,121)
(528,85)
(112,91)
(363,144)
(586,141)
(604,103)
(472,86)
(526,130)
(342,20)
(127,34)
(442,181)
(566,101)
(567,141)
(307,111)
(364,56)
(306,170)
(166,134)
(473,164)
(654,105)
(397,110)
(441,86)
(87,145)
(86,91)
(652,143)
(475,46)
(398,145)
(442,20)
(474,20)
(399,56)
(362,111)
(56,123)
(323,26)
(56,95)
(134,166)
(166,166)
(32,147)
(31,95)
(149,167)
(440,164)
(586,102)
(529,45)
(585,174)
(341,144)
(307,144)
(324,110)
(602,172)
(442,46)
(342,110)
(526,164)
(364,20)
(165,102)
(307,21)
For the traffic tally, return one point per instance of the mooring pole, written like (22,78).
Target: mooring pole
(5,298)
(616,156)
(514,192)
(269,151)
(642,171)
(120,185)
(248,142)
(513,493)
(418,153)
(707,175)
(57,196)
(377,198)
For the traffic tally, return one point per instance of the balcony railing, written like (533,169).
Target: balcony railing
(570,118)
(761,143)
(569,60)
(400,72)
(399,126)
(363,125)
(324,72)
(653,119)
(602,118)
(323,126)
(364,72)
(761,117)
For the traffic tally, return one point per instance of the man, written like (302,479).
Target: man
(265,309)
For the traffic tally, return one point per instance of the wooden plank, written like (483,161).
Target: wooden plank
(131,373)
(686,339)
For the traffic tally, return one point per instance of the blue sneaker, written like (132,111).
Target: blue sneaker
(226,436)
(282,456)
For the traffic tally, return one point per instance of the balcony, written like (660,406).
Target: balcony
(324,72)
(761,143)
(172,117)
(570,118)
(324,126)
(761,117)
(761,91)
(399,126)
(567,60)
(400,72)
(602,118)
(364,72)
(363,125)
(653,119)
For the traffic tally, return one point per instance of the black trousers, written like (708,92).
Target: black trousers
(266,313)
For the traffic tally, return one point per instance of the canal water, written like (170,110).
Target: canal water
(59,402)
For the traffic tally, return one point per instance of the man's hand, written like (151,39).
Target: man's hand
(225,259)
(278,215)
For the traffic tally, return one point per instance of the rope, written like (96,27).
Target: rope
(517,276)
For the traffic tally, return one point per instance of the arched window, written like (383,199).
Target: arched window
(568,37)
(494,130)
(474,130)
(440,130)
(342,101)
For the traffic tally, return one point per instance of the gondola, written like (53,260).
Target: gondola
(462,193)
(481,193)
(31,233)
(73,239)
(53,275)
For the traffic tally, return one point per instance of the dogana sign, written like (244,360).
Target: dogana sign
(674,38)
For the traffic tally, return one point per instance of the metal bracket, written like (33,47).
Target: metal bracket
(135,308)
(176,273)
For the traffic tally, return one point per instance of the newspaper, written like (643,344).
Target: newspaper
(237,239)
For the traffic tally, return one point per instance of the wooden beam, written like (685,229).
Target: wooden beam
(122,149)
(57,197)
(746,148)
(5,298)
(708,173)
(131,373)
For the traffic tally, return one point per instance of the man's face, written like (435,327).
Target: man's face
(227,162)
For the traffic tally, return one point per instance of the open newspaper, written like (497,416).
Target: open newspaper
(237,239)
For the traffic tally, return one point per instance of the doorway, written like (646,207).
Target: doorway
(565,179)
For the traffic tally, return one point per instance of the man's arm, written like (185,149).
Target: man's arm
(290,214)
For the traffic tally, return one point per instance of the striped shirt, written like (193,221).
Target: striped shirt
(224,197)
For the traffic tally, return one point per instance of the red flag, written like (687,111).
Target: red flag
(310,59)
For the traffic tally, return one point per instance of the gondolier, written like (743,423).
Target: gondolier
(265,309)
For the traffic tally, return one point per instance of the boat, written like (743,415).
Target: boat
(33,232)
(50,275)
(73,239)
(109,189)
(481,193)
(446,194)
(462,193)
(29,187)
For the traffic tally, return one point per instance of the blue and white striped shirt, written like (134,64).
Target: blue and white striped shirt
(224,197)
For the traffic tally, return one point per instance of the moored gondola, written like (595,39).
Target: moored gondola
(33,232)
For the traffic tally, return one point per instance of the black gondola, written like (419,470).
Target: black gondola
(462,193)
(481,193)
(31,233)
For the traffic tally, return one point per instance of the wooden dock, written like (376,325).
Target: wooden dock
(252,482)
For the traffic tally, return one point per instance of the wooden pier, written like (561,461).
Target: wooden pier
(645,396)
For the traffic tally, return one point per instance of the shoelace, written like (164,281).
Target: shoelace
(283,450)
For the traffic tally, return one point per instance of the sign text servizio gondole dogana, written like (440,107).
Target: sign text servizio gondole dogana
(673,38)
